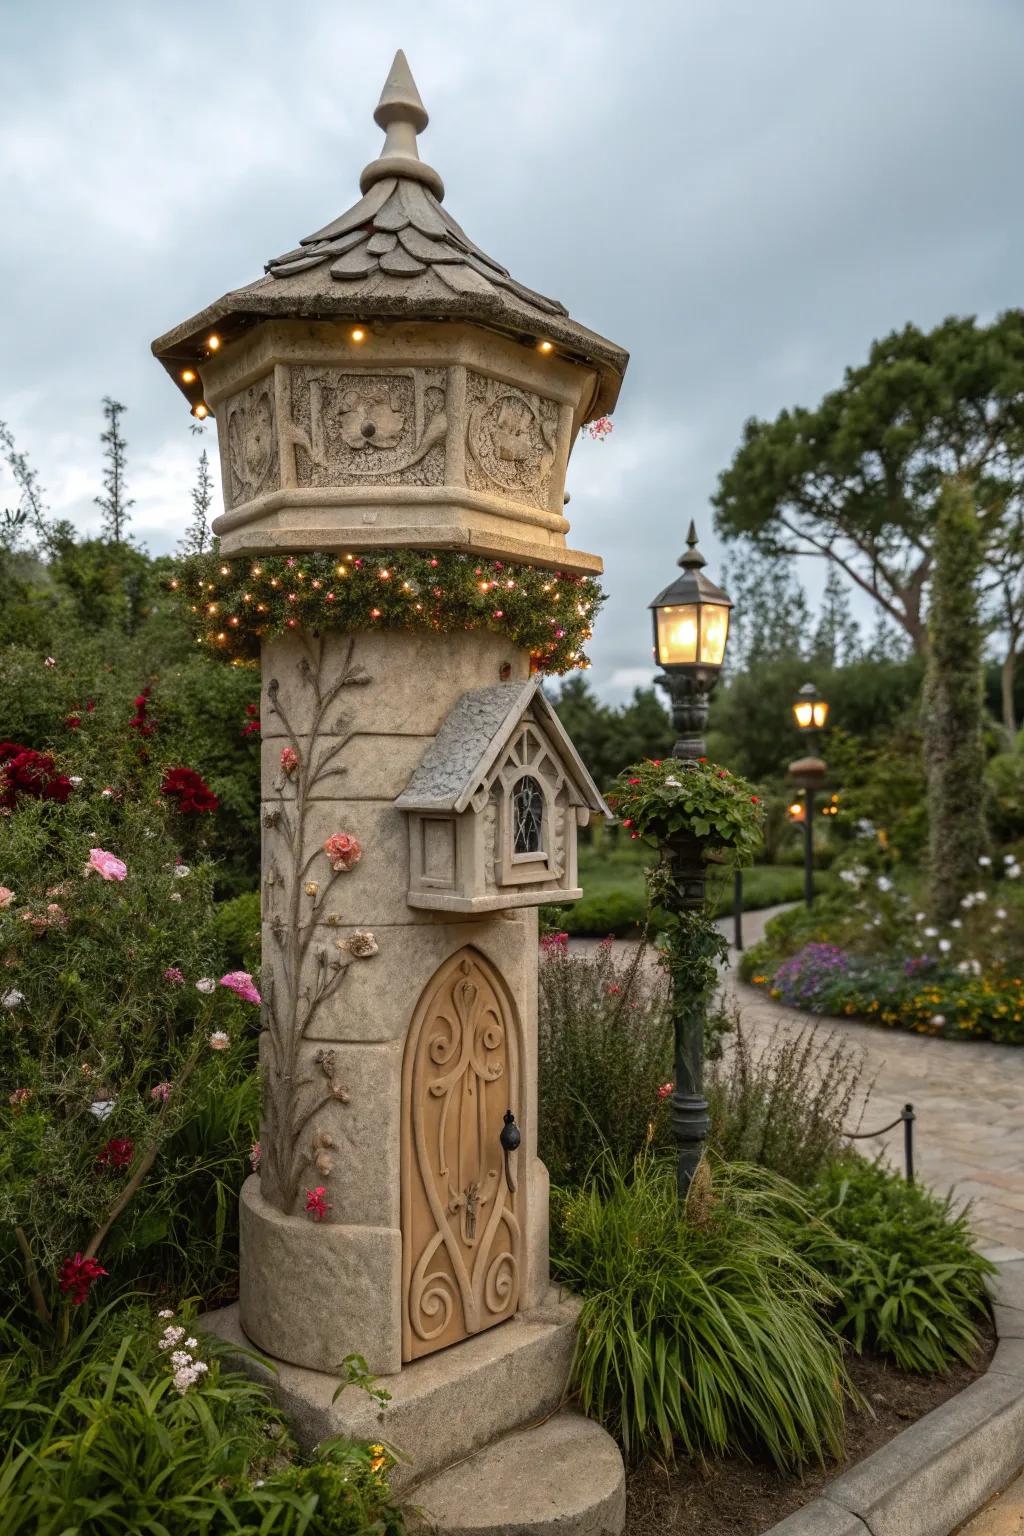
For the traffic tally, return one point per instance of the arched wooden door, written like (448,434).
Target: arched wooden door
(461,1242)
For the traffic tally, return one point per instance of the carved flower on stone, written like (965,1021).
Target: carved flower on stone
(361,944)
(367,419)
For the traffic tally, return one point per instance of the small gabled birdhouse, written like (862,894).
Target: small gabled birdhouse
(495,804)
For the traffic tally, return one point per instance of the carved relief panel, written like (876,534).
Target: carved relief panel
(251,464)
(461,1239)
(512,436)
(346,427)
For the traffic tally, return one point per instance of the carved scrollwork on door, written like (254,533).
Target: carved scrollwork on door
(461,1239)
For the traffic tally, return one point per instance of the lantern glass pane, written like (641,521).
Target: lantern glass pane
(820,713)
(714,631)
(677,631)
(803,713)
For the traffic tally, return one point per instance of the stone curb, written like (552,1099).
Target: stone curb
(936,1474)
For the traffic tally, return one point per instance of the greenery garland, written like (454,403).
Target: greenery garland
(232,603)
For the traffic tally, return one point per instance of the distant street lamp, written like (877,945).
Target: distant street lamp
(810,713)
(691,627)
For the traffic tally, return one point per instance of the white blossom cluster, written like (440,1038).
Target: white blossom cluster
(187,1369)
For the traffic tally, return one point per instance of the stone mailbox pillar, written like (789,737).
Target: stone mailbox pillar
(387,387)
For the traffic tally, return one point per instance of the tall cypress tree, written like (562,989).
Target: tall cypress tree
(953,746)
(114,503)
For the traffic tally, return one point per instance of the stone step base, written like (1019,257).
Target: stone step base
(444,1407)
(563,1477)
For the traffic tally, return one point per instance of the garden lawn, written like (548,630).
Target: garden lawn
(615,895)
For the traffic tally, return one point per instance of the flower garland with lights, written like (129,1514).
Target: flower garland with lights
(232,603)
(662,798)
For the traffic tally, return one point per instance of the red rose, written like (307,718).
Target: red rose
(117,1153)
(24,771)
(76,1277)
(186,786)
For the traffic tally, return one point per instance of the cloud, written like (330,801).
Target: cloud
(743,195)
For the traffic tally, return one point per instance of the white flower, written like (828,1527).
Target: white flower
(930,933)
(884,883)
(200,1366)
(956,923)
(1013,872)
(1009,858)
(184,1377)
(967,902)
(918,917)
(206,985)
(1001,913)
(938,1018)
(166,1312)
(51,661)
(850,876)
(674,783)
(180,871)
(13,999)
(981,896)
(219,1041)
(175,895)
(170,1337)
(181,1357)
(102,1108)
(984,861)
(75,778)
(191,1343)
(945,946)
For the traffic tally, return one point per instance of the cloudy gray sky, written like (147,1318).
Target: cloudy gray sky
(742,192)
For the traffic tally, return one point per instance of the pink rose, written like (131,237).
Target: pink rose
(665,1089)
(105,864)
(343,851)
(161,1092)
(289,759)
(6,896)
(173,974)
(242,983)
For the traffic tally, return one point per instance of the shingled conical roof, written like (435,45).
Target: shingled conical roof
(397,253)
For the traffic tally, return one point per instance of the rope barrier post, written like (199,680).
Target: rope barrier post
(908,1117)
(737,909)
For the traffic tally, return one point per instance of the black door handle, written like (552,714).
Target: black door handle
(510,1138)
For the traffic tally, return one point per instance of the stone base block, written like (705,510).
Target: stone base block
(312,1293)
(561,1478)
(444,1407)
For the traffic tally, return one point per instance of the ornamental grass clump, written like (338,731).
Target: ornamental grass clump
(785,1105)
(702,1330)
(910,1283)
(605,1049)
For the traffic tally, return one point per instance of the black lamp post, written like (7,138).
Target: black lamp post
(691,627)
(810,713)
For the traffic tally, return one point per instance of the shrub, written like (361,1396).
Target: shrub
(786,1105)
(703,1328)
(605,1048)
(909,1279)
(620,914)
(111,1440)
(236,924)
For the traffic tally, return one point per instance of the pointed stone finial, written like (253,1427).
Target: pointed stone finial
(692,559)
(402,115)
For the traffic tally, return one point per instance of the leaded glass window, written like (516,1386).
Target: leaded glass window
(527,816)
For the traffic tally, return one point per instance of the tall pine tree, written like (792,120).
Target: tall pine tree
(198,537)
(114,503)
(954,752)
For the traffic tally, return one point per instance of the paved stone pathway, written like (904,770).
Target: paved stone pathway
(1004,1516)
(968,1098)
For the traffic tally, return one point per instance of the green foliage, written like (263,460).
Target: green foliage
(606,737)
(660,800)
(702,1329)
(107,1042)
(786,1105)
(859,476)
(605,1048)
(909,1278)
(231,604)
(236,924)
(953,746)
(102,1443)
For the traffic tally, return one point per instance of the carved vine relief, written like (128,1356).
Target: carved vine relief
(461,1241)
(301,973)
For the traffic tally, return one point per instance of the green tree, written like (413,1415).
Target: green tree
(114,504)
(198,537)
(770,617)
(858,478)
(837,638)
(954,750)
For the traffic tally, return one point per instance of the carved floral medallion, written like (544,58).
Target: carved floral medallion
(346,427)
(511,436)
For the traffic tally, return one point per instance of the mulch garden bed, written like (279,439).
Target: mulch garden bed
(734,1497)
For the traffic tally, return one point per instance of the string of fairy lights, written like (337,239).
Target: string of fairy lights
(231,604)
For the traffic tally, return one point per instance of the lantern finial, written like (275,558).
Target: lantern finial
(402,115)
(692,559)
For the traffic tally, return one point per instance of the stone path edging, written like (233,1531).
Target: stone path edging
(941,1470)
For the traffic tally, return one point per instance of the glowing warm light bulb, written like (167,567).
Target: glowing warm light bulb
(225,570)
(545,346)
(213,342)
(357,334)
(202,410)
(188,376)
